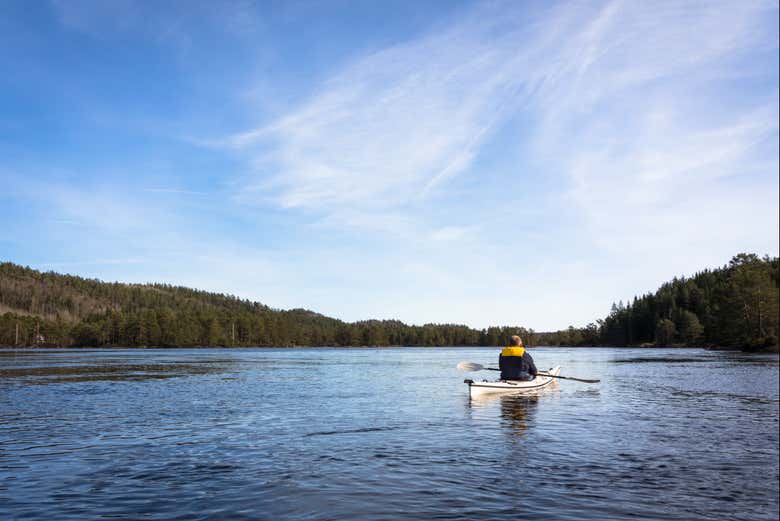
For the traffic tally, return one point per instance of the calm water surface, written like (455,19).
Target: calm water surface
(370,434)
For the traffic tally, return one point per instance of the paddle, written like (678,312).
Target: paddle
(471,366)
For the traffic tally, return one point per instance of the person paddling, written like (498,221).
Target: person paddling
(515,362)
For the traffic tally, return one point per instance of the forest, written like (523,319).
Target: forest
(735,306)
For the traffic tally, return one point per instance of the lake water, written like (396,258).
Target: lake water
(385,434)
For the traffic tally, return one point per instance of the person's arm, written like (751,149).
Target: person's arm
(531,365)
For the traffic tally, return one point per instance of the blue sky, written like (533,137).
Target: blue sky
(521,163)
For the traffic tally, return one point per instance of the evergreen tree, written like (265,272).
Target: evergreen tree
(689,327)
(665,332)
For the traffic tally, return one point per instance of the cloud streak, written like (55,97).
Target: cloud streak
(391,126)
(633,111)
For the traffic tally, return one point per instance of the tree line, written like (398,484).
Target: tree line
(735,306)
(50,309)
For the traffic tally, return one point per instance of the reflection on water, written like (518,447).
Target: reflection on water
(516,411)
(516,408)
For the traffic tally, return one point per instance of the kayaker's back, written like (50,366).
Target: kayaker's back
(516,364)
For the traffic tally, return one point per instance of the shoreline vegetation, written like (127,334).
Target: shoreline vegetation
(734,307)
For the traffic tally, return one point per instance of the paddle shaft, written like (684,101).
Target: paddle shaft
(571,378)
(553,376)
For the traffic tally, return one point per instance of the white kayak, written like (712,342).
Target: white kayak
(508,386)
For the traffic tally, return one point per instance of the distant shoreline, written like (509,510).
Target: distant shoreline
(770,350)
(730,308)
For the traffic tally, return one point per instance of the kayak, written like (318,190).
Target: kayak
(505,386)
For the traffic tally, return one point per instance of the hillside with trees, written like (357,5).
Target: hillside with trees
(735,306)
(50,309)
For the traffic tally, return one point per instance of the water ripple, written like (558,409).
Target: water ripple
(364,434)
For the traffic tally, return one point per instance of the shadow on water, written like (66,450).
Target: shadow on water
(350,431)
(763,359)
(646,360)
(105,372)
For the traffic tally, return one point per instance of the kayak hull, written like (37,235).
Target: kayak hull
(503,386)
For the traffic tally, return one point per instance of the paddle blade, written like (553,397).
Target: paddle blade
(469,366)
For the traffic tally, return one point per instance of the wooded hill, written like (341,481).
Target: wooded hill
(49,309)
(735,306)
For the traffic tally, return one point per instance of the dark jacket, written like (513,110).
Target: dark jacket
(517,367)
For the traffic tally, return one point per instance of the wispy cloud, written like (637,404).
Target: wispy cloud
(92,262)
(95,211)
(392,125)
(451,233)
(651,136)
(174,191)
(632,110)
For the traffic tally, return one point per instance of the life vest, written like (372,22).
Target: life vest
(513,351)
(516,364)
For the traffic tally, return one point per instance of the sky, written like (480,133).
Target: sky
(485,163)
